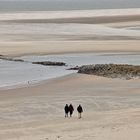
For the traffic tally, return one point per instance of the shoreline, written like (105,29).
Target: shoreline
(70,77)
(39,80)
(34,84)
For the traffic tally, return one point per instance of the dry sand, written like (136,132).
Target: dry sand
(111,110)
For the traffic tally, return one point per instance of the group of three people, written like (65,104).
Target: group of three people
(70,109)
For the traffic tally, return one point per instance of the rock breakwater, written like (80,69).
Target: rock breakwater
(10,59)
(111,70)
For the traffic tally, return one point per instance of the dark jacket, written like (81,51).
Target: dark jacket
(66,108)
(71,109)
(80,109)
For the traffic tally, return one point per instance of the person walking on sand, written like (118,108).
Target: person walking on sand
(71,109)
(80,110)
(66,109)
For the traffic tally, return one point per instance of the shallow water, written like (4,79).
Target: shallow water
(24,73)
(88,58)
(134,28)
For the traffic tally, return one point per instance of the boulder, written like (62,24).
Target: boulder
(74,68)
(49,63)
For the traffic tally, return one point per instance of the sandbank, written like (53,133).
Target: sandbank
(60,47)
(41,36)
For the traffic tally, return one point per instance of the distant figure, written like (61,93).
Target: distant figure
(80,110)
(66,108)
(71,109)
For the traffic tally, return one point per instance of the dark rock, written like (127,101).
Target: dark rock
(49,63)
(74,68)
(18,60)
(11,59)
(111,70)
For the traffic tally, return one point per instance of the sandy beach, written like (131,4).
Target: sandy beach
(36,111)
(111,110)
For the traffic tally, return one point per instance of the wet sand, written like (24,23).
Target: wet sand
(41,36)
(60,47)
(80,20)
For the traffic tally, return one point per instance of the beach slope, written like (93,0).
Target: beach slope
(111,109)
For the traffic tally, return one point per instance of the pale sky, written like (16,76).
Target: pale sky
(76,0)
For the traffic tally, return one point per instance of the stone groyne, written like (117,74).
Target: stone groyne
(112,70)
(49,63)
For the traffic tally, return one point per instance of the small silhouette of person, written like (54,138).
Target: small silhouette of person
(80,110)
(71,109)
(66,109)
